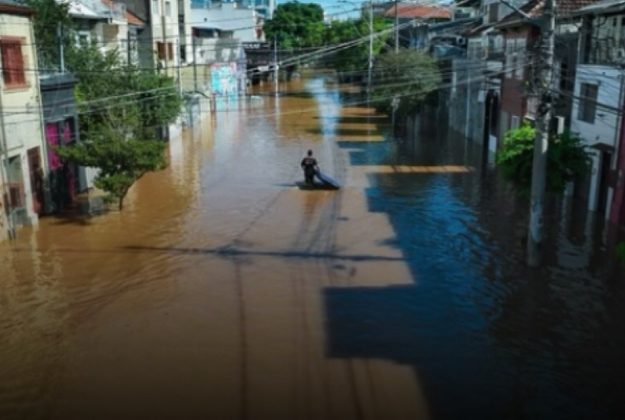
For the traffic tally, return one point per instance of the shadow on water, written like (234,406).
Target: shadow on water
(487,337)
(356,119)
(344,132)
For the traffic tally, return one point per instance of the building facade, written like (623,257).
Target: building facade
(598,100)
(23,162)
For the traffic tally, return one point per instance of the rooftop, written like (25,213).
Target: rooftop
(534,9)
(418,11)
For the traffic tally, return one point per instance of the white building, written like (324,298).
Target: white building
(23,162)
(220,30)
(598,97)
(108,24)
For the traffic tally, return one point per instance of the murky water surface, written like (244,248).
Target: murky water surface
(223,291)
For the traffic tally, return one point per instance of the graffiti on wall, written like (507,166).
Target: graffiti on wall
(224,80)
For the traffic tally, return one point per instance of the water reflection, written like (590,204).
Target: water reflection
(487,336)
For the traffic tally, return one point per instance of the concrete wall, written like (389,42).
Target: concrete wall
(20,108)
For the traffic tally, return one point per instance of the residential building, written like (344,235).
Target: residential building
(219,31)
(159,40)
(598,103)
(414,21)
(108,24)
(617,211)
(522,35)
(23,162)
(477,78)
(61,129)
(263,8)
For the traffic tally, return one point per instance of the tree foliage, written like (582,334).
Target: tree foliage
(354,59)
(408,75)
(296,25)
(52,25)
(121,110)
(567,159)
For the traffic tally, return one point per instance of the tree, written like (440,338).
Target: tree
(296,25)
(52,26)
(407,75)
(567,159)
(353,61)
(121,109)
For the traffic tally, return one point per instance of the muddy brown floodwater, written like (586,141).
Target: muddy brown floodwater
(222,291)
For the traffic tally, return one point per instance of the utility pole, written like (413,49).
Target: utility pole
(370,48)
(128,52)
(541,142)
(59,37)
(276,75)
(193,45)
(178,71)
(396,27)
(164,34)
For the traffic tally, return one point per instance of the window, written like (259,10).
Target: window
(160,50)
(493,13)
(13,72)
(587,103)
(165,50)
(155,7)
(167,8)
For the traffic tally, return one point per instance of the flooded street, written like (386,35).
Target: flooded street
(223,291)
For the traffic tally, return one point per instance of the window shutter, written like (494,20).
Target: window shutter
(12,63)
(170,50)
(160,47)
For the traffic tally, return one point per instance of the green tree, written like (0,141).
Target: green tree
(296,25)
(121,110)
(52,26)
(353,61)
(567,159)
(408,75)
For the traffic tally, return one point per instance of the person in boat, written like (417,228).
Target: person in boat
(309,165)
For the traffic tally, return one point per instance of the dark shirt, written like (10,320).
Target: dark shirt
(309,163)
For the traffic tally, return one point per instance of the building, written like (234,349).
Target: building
(60,119)
(109,25)
(159,40)
(598,103)
(477,77)
(522,35)
(23,162)
(219,32)
(414,21)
